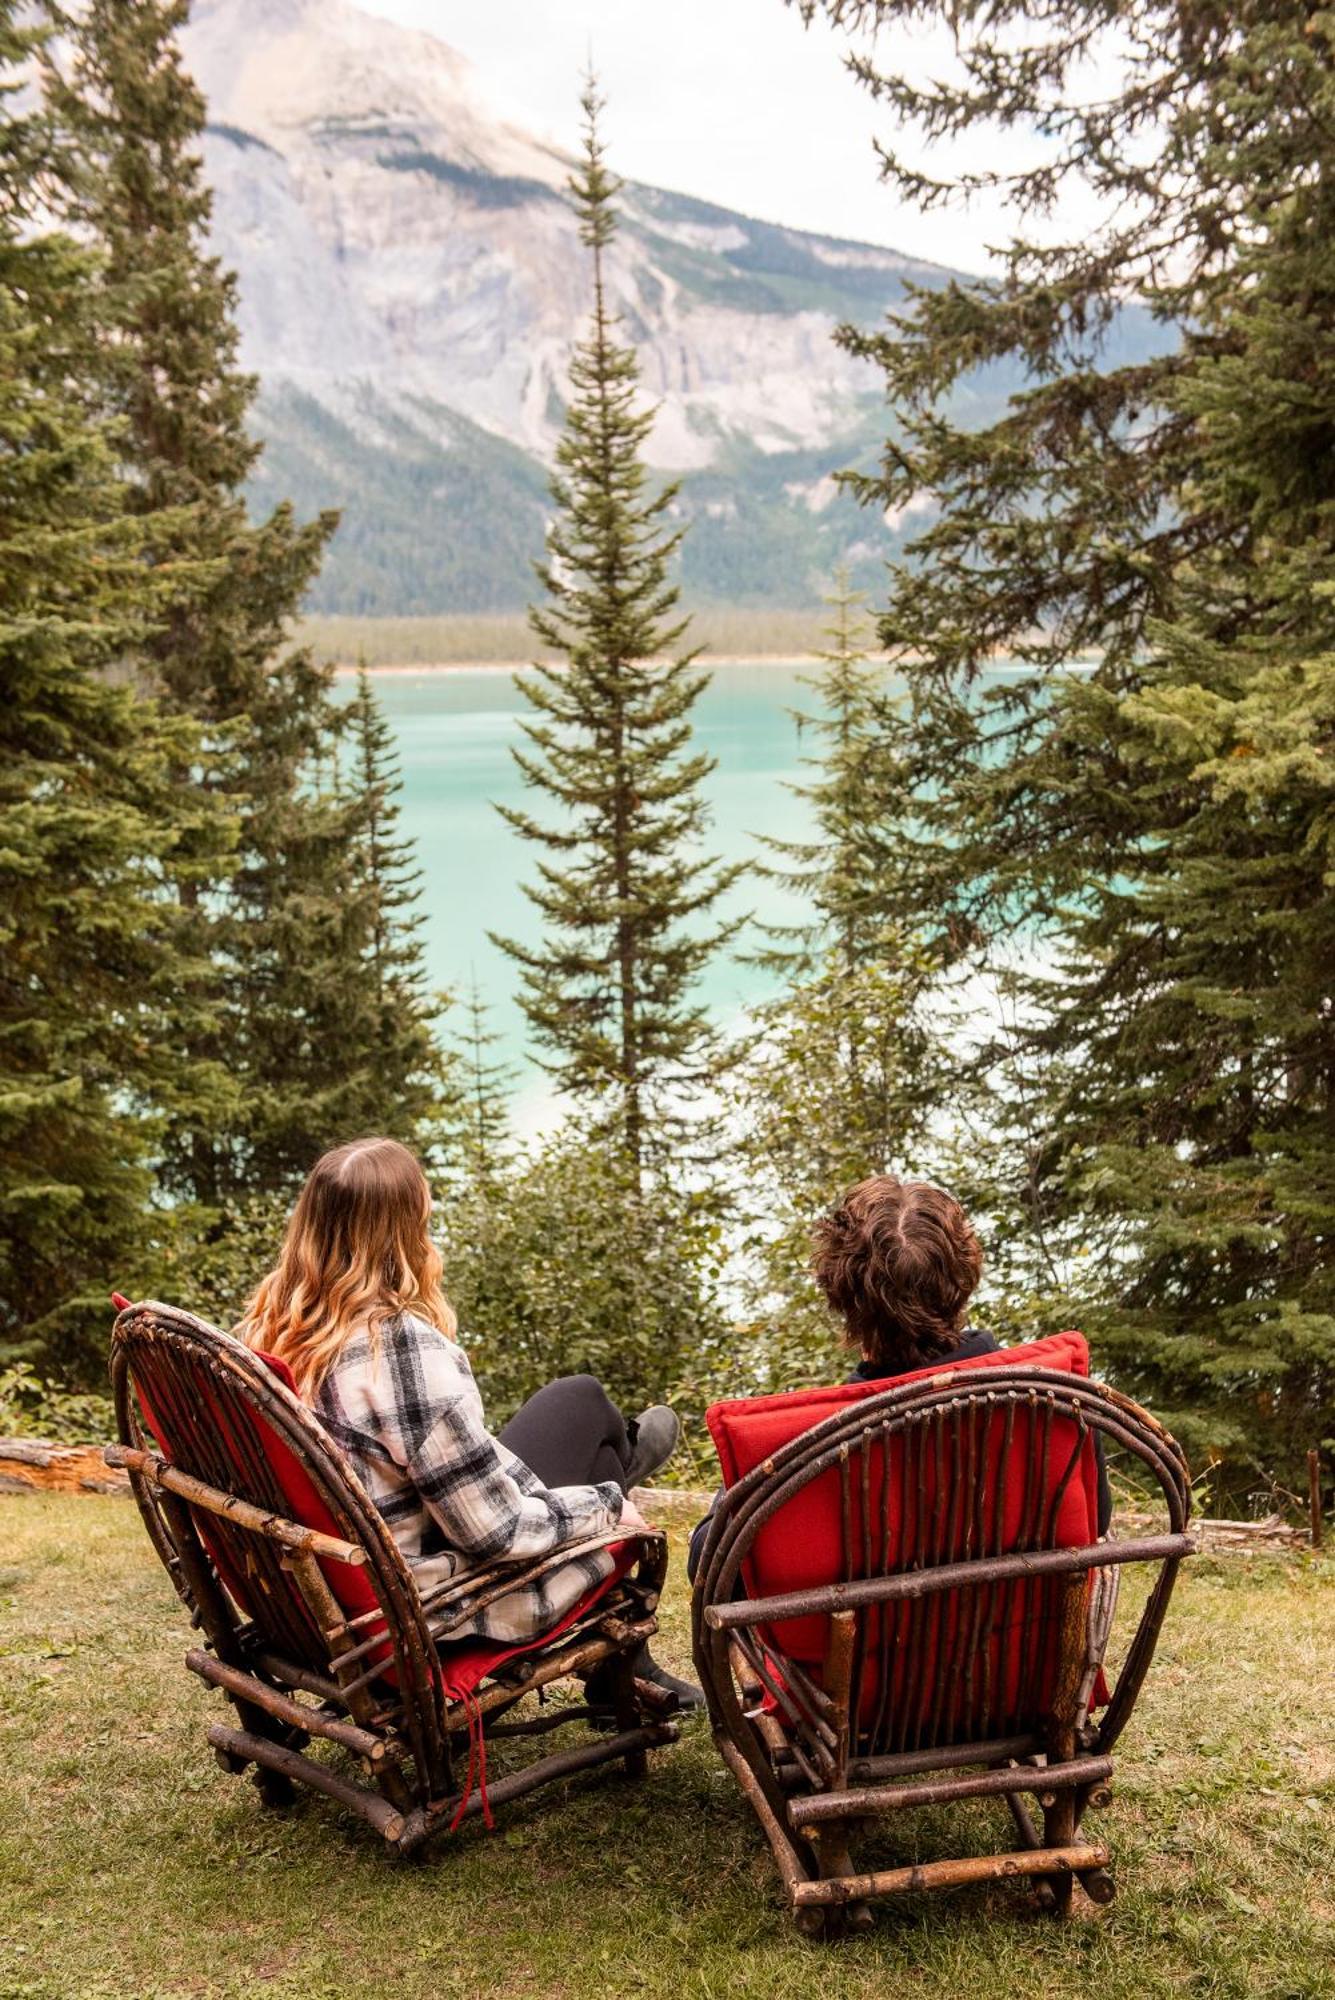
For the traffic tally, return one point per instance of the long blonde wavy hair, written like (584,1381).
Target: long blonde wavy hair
(357,1253)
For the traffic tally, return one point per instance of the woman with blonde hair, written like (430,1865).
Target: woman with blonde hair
(355,1307)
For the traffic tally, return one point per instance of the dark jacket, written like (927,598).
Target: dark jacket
(972,1343)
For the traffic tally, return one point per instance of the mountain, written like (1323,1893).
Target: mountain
(411,282)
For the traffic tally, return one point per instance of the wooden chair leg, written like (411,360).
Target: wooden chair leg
(1044,1895)
(1059,1831)
(832,1838)
(276,1790)
(628,1713)
(1059,1819)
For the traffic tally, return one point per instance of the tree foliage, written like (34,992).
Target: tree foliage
(1132,817)
(628,904)
(268,928)
(854,794)
(567,1264)
(92,823)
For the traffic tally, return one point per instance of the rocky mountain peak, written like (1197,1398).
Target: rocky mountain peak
(412,282)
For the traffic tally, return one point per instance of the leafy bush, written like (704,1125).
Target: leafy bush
(33,1408)
(558,1266)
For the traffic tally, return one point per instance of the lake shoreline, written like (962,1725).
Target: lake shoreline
(706,661)
(390,668)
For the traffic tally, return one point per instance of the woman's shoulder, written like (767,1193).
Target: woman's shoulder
(409,1335)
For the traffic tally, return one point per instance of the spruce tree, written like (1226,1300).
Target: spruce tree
(91,823)
(627,903)
(138,120)
(410,1085)
(846,1069)
(357,1051)
(486,1086)
(262,927)
(1144,834)
(854,795)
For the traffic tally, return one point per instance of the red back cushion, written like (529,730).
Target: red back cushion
(923,1507)
(302,1501)
(748,1429)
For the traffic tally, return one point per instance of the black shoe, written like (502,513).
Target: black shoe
(598,1688)
(653,1438)
(689,1696)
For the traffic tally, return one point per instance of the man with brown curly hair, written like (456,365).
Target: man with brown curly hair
(898,1262)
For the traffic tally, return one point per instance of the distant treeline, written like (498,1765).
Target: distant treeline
(503,638)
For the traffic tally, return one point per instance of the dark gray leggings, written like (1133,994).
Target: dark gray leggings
(571,1433)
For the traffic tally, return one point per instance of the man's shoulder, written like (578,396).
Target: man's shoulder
(973,1343)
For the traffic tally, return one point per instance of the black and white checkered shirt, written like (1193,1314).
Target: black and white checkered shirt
(410,1419)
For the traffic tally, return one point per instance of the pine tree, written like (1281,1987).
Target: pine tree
(1153,827)
(90,820)
(847,1066)
(411,1088)
(628,906)
(854,797)
(486,1087)
(839,1084)
(356,1050)
(138,122)
(219,655)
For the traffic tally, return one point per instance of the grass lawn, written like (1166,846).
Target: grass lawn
(130,1865)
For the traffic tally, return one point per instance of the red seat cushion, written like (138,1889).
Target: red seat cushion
(930,1513)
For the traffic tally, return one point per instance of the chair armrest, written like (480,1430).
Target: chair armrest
(291,1534)
(948,1576)
(482,1587)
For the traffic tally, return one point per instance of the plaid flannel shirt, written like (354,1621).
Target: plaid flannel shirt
(408,1413)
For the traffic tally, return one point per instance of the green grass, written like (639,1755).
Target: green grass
(129,1865)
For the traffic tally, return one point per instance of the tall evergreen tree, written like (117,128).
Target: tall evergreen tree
(854,795)
(839,1083)
(486,1085)
(1155,828)
(407,1083)
(90,822)
(846,1069)
(262,927)
(138,120)
(628,904)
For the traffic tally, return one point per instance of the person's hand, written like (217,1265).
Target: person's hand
(632,1520)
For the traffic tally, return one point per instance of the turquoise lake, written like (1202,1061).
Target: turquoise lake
(454,730)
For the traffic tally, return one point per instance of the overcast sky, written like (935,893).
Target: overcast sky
(729,99)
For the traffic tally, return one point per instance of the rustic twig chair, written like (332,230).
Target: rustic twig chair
(903,1602)
(311,1621)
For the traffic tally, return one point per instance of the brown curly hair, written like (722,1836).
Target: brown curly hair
(898,1262)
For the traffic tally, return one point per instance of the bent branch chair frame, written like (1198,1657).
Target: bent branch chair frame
(300,1670)
(820,1755)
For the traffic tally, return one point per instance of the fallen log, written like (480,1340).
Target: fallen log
(35,1465)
